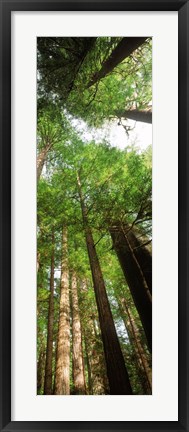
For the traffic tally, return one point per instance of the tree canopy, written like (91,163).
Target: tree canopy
(94,213)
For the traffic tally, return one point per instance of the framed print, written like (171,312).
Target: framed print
(94,172)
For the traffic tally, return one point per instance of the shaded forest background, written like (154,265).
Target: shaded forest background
(94,218)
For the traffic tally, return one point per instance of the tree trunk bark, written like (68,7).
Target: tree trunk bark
(94,353)
(49,353)
(40,370)
(41,158)
(137,359)
(62,373)
(97,367)
(124,48)
(86,348)
(116,370)
(78,369)
(137,115)
(143,256)
(135,279)
(139,348)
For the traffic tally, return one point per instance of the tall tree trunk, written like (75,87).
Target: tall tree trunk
(124,49)
(99,382)
(116,370)
(97,377)
(144,116)
(49,353)
(86,356)
(40,369)
(41,158)
(62,373)
(98,368)
(135,279)
(137,359)
(142,254)
(139,348)
(94,352)
(78,369)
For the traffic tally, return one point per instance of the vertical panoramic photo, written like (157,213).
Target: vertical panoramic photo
(94,215)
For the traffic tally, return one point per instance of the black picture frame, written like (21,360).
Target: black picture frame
(182,6)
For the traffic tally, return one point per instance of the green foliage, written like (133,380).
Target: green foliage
(116,184)
(128,86)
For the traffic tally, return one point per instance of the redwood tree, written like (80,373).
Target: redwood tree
(134,277)
(49,353)
(77,356)
(62,373)
(116,370)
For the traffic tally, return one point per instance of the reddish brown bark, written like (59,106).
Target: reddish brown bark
(78,369)
(41,158)
(142,254)
(124,49)
(40,369)
(62,373)
(135,279)
(116,370)
(49,353)
(144,116)
(86,349)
